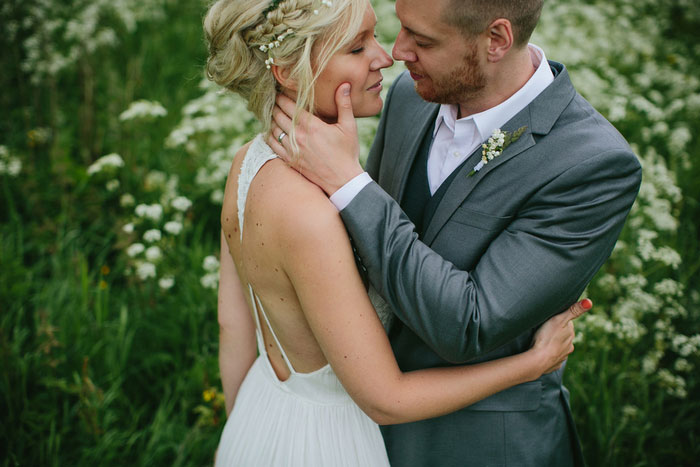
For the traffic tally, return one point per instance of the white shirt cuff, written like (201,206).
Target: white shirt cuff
(347,192)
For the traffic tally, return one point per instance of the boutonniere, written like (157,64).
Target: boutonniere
(496,144)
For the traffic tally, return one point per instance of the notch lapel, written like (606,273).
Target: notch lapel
(539,117)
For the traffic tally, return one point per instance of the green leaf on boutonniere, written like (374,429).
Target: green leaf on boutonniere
(496,144)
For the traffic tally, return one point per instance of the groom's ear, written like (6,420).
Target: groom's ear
(281,74)
(500,37)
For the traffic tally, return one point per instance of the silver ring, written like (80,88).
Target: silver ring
(281,137)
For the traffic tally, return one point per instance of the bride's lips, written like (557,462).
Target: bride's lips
(376,86)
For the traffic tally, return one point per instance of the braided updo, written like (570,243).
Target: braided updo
(236,30)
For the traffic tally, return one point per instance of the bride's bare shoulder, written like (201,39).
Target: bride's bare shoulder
(295,205)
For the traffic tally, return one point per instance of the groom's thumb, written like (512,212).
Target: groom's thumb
(346,118)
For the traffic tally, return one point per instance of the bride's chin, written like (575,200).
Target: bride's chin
(370,110)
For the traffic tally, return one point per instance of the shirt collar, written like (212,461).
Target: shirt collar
(489,120)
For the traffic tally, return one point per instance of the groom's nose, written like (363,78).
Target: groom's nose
(403,47)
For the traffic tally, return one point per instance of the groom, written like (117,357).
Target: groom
(474,248)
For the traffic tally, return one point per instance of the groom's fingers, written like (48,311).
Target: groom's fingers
(280,117)
(275,145)
(286,104)
(346,118)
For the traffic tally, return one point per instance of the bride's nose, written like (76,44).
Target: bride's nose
(382,59)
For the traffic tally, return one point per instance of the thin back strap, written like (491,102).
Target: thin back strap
(257,305)
(258,329)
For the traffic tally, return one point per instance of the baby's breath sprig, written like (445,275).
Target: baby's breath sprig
(496,144)
(277,40)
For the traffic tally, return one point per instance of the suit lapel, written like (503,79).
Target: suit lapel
(538,117)
(414,130)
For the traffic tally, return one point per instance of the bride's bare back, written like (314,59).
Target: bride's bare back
(278,203)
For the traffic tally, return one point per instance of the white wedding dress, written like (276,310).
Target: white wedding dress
(308,420)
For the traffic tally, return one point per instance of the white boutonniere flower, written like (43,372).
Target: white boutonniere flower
(496,144)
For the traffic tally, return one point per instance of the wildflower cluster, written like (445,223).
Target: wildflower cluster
(210,280)
(58,34)
(153,229)
(650,102)
(9,165)
(143,110)
(106,168)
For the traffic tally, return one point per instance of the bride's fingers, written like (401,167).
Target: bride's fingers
(576,310)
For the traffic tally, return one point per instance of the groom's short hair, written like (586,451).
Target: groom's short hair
(474,16)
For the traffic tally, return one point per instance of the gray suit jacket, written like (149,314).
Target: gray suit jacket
(505,249)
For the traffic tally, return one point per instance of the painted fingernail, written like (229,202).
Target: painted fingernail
(587,304)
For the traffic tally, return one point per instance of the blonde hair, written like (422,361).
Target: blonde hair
(235,30)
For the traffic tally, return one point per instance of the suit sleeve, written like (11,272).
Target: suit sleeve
(536,267)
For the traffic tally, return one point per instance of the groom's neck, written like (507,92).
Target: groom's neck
(503,79)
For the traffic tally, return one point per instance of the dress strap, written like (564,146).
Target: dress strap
(257,305)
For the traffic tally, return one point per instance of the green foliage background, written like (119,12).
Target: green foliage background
(105,363)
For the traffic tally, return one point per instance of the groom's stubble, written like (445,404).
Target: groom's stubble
(461,84)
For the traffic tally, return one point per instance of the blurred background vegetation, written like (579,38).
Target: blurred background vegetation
(113,154)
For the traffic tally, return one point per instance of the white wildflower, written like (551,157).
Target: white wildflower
(146,271)
(135,249)
(181,203)
(682,365)
(126,200)
(173,227)
(128,228)
(112,185)
(166,283)
(112,161)
(143,109)
(675,385)
(152,235)
(153,253)
(630,412)
(668,287)
(217,196)
(210,263)
(210,280)
(150,211)
(155,179)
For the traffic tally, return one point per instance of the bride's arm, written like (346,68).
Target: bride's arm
(319,261)
(237,349)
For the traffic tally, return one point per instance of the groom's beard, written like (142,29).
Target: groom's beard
(465,82)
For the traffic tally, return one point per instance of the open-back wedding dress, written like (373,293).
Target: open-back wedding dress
(307,420)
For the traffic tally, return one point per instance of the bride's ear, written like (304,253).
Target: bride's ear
(281,74)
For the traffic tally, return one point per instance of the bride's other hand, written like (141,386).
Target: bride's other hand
(554,339)
(328,152)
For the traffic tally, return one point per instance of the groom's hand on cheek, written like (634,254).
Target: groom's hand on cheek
(328,154)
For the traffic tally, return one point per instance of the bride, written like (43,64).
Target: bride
(323,374)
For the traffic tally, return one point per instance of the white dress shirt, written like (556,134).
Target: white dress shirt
(455,140)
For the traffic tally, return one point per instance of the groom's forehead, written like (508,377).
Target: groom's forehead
(420,16)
